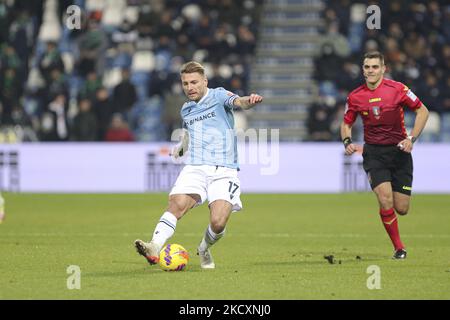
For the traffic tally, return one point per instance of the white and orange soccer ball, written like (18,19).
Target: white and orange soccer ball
(173,257)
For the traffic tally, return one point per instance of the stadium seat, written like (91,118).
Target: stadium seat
(432,129)
(131,14)
(122,60)
(162,60)
(49,31)
(113,12)
(445,122)
(143,61)
(409,119)
(141,81)
(94,5)
(445,137)
(35,79)
(69,61)
(112,77)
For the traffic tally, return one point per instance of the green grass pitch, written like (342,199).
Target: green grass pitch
(273,249)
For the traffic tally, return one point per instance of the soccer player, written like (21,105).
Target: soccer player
(387,150)
(211,170)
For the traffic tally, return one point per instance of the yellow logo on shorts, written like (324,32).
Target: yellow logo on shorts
(407,188)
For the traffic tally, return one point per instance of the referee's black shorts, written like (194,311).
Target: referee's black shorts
(388,163)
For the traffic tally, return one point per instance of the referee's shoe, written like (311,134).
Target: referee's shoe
(399,254)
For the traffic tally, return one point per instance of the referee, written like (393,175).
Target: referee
(387,150)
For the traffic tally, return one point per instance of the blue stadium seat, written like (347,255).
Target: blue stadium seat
(432,130)
(122,60)
(141,80)
(409,119)
(445,122)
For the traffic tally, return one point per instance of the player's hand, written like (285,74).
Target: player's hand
(254,98)
(405,145)
(351,149)
(177,151)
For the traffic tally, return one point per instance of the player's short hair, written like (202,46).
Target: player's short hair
(192,67)
(374,55)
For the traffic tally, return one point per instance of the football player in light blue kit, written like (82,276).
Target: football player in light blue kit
(211,166)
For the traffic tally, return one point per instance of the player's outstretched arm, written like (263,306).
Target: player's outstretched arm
(346,137)
(248,102)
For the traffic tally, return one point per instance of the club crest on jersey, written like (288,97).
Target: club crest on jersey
(376,112)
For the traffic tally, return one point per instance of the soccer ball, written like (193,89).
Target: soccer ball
(173,257)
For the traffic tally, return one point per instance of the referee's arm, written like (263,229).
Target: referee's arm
(421,120)
(419,123)
(346,137)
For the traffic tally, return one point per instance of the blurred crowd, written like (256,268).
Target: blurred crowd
(415,39)
(116,78)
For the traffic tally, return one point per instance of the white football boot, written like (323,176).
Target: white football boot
(149,250)
(206,259)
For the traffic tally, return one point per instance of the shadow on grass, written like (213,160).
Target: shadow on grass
(143,271)
(323,258)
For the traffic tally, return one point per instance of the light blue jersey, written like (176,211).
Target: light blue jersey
(210,122)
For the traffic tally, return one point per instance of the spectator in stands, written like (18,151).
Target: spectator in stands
(4,21)
(338,41)
(168,28)
(125,34)
(227,12)
(164,27)
(54,124)
(90,86)
(21,35)
(415,45)
(350,76)
(183,47)
(11,90)
(328,64)
(50,60)
(224,42)
(84,127)
(319,123)
(57,85)
(246,41)
(147,20)
(118,130)
(9,58)
(204,33)
(92,45)
(103,109)
(124,94)
(431,93)
(160,82)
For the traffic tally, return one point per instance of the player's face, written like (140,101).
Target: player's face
(373,70)
(194,85)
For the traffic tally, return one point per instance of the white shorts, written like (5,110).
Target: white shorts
(210,182)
